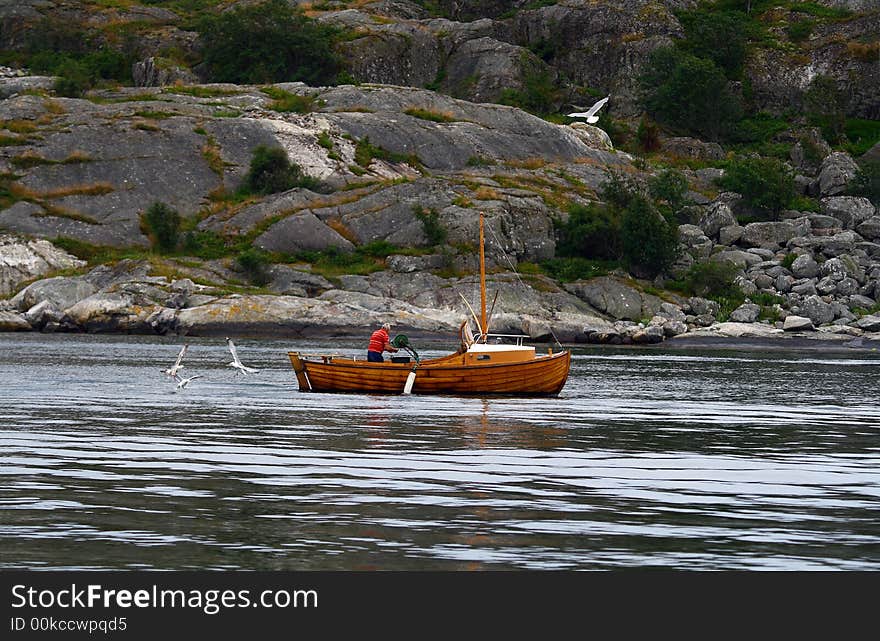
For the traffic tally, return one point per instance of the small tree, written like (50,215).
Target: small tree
(689,93)
(648,240)
(268,42)
(435,232)
(271,172)
(591,231)
(720,36)
(255,265)
(670,187)
(766,184)
(162,225)
(825,106)
(867,182)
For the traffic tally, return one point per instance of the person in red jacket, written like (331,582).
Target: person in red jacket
(380,342)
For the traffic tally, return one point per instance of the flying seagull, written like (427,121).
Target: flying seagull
(590,114)
(183,382)
(172,371)
(237,363)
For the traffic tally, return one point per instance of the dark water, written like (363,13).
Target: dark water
(687,459)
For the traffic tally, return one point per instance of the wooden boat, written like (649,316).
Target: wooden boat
(478,367)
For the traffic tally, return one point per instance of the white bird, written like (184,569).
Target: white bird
(172,371)
(183,382)
(590,114)
(237,363)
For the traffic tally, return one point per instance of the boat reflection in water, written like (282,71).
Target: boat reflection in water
(478,367)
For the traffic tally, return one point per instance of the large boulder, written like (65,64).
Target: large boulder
(870,228)
(869,323)
(13,322)
(804,267)
(60,292)
(850,210)
(23,260)
(693,148)
(770,235)
(745,313)
(817,310)
(837,171)
(592,136)
(793,323)
(302,232)
(482,69)
(718,215)
(615,298)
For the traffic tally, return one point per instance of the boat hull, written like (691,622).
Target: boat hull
(541,376)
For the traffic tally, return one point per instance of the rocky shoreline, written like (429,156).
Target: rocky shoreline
(128,298)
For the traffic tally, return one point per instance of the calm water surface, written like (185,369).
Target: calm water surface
(690,459)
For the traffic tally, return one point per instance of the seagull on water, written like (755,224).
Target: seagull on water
(590,114)
(237,363)
(171,372)
(183,382)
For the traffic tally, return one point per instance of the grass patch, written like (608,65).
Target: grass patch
(18,126)
(861,135)
(480,161)
(287,102)
(487,193)
(429,114)
(227,113)
(154,115)
(574,268)
(94,189)
(365,152)
(97,254)
(11,141)
(202,92)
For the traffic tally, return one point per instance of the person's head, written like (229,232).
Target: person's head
(386,327)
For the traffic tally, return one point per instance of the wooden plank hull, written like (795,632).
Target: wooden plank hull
(543,375)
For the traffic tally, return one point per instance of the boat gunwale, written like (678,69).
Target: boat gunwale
(437,365)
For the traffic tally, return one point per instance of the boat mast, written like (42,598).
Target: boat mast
(484,328)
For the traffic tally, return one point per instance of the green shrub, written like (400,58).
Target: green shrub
(255,265)
(435,232)
(591,232)
(162,225)
(712,279)
(799,31)
(825,106)
(648,136)
(539,94)
(649,242)
(719,36)
(205,244)
(268,42)
(689,93)
(428,114)
(670,187)
(766,184)
(867,182)
(861,135)
(758,128)
(805,203)
(365,152)
(285,101)
(567,269)
(73,79)
(618,190)
(271,172)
